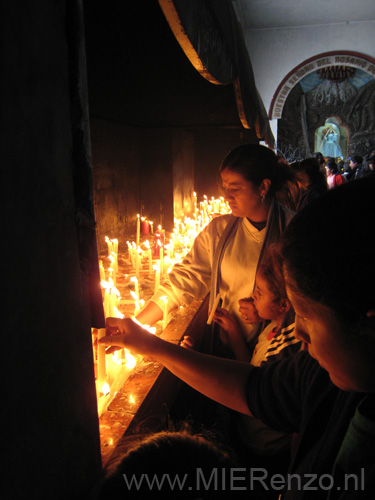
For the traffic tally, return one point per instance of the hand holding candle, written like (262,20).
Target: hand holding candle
(214,306)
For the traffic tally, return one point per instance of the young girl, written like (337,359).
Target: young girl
(269,302)
(269,306)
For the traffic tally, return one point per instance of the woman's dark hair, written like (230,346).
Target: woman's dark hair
(255,163)
(338,222)
(316,177)
(341,166)
(332,166)
(318,155)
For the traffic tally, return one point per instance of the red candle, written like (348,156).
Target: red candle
(145,226)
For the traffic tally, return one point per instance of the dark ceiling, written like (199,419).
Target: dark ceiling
(138,74)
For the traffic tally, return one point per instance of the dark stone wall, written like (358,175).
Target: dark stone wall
(153,172)
(353,109)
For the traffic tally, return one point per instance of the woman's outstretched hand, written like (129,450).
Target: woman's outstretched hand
(127,333)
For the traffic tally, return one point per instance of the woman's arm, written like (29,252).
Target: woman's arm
(150,314)
(220,379)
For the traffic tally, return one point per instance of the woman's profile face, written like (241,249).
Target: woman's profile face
(349,359)
(243,197)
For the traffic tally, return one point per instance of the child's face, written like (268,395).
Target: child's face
(264,299)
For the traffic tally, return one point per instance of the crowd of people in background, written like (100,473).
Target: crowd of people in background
(313,176)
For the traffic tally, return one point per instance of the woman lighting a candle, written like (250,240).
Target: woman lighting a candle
(226,253)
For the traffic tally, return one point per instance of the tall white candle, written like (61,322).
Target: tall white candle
(157,277)
(134,279)
(165,311)
(215,304)
(137,264)
(101,373)
(101,270)
(138,229)
(161,260)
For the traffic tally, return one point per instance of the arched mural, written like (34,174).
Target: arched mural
(326,104)
(316,63)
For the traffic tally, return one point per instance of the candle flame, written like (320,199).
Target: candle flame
(150,329)
(118,314)
(130,360)
(105,390)
(134,295)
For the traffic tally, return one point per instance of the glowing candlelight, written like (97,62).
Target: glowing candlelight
(104,389)
(111,298)
(165,311)
(131,253)
(137,307)
(134,279)
(138,229)
(161,252)
(157,276)
(109,244)
(101,373)
(130,360)
(137,264)
(101,270)
(151,226)
(149,256)
(145,226)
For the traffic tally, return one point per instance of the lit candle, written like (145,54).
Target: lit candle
(134,279)
(157,277)
(101,374)
(105,285)
(149,255)
(137,307)
(113,267)
(151,226)
(161,252)
(109,243)
(215,304)
(138,229)
(165,311)
(101,270)
(130,249)
(137,264)
(145,226)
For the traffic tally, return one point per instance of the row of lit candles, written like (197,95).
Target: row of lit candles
(182,238)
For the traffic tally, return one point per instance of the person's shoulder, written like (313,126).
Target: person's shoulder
(288,212)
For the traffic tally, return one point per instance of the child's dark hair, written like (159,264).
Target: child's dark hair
(176,454)
(271,266)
